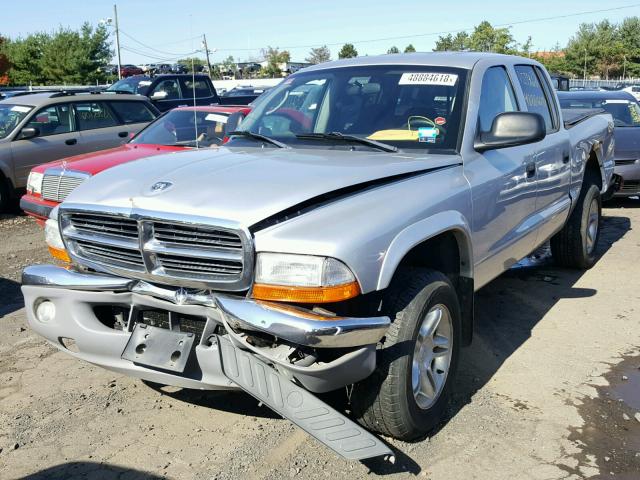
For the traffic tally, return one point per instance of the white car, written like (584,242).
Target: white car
(633,90)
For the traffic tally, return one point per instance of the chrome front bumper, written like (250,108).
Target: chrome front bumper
(298,326)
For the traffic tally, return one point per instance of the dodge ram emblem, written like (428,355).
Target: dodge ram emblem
(160,186)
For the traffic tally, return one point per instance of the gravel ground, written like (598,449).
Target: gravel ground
(549,389)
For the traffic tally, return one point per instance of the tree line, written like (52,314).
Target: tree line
(607,49)
(65,56)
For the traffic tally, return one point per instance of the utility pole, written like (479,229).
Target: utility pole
(624,68)
(584,77)
(115,16)
(206,51)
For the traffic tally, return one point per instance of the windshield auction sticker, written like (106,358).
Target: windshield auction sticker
(428,78)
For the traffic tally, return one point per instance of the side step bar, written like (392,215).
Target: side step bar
(298,405)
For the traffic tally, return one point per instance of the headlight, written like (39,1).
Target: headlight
(54,240)
(303,279)
(34,182)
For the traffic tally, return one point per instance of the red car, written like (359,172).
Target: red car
(50,183)
(130,70)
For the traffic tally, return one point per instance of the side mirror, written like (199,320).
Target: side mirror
(28,132)
(159,95)
(233,122)
(511,129)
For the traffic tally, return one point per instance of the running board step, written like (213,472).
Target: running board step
(298,405)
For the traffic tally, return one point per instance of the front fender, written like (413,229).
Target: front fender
(416,233)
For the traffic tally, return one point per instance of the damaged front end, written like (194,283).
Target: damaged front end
(279,354)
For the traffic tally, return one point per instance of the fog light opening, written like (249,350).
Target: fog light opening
(69,344)
(45,311)
(141,348)
(175,356)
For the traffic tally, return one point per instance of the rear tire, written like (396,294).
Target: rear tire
(575,245)
(407,394)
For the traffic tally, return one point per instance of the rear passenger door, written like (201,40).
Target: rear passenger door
(57,139)
(133,115)
(99,126)
(200,89)
(551,155)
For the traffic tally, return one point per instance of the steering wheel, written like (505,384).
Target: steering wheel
(427,121)
(299,121)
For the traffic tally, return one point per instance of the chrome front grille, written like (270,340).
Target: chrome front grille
(173,252)
(58,184)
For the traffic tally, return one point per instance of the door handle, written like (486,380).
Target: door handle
(123,134)
(71,141)
(565,157)
(530,168)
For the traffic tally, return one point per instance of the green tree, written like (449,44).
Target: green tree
(192,63)
(24,55)
(409,48)
(274,58)
(485,38)
(599,46)
(393,49)
(319,55)
(348,51)
(227,66)
(452,43)
(629,32)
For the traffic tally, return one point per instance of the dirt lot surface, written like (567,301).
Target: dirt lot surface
(550,389)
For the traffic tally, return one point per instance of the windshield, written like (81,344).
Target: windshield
(177,128)
(625,113)
(131,85)
(10,117)
(407,107)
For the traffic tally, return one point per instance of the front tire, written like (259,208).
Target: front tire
(575,245)
(407,394)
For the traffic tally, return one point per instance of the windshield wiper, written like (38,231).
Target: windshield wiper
(258,136)
(348,138)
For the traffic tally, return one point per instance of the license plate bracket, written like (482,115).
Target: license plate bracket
(159,347)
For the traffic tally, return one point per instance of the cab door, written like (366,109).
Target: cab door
(99,127)
(58,138)
(503,186)
(552,155)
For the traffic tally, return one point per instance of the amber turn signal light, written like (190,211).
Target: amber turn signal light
(280,293)
(59,254)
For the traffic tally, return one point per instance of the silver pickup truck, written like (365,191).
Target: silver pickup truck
(335,242)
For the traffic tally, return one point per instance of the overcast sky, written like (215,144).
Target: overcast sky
(167,28)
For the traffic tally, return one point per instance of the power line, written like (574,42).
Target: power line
(151,48)
(429,34)
(156,59)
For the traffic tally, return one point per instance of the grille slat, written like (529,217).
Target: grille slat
(195,235)
(58,187)
(191,254)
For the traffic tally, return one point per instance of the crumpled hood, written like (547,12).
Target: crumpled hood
(243,185)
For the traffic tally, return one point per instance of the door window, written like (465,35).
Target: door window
(534,95)
(132,112)
(497,97)
(167,90)
(93,115)
(201,88)
(53,120)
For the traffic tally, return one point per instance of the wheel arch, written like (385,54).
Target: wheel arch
(441,242)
